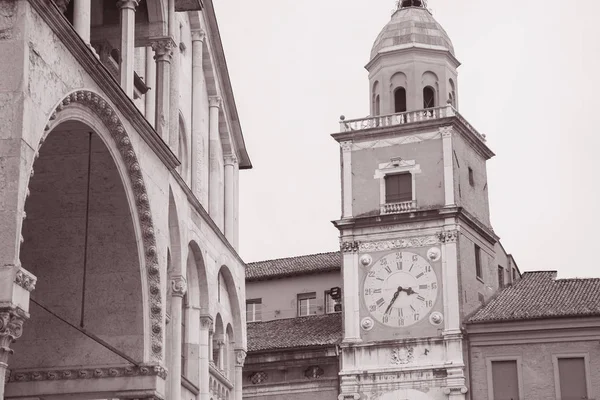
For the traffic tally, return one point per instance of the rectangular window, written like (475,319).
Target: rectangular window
(330,303)
(514,275)
(398,188)
(505,380)
(478,269)
(307,304)
(500,276)
(572,378)
(254,310)
(471,177)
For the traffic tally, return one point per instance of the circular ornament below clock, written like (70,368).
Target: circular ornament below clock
(434,254)
(367,324)
(436,318)
(366,260)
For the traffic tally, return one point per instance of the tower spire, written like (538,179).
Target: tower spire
(411,3)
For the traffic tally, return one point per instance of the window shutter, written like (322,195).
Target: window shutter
(398,188)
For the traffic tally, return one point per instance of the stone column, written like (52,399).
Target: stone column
(163,52)
(178,290)
(346,179)
(206,323)
(198,141)
(215,197)
(230,163)
(127,48)
(82,18)
(151,82)
(240,357)
(15,286)
(174,32)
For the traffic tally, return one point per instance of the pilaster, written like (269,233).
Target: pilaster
(351,293)
(163,53)
(178,291)
(127,47)
(346,149)
(215,174)
(230,164)
(240,358)
(199,154)
(206,324)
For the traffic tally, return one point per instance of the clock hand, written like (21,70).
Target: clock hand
(410,291)
(387,310)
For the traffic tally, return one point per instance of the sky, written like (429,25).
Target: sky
(529,81)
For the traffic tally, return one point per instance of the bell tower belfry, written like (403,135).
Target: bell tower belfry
(412,64)
(415,234)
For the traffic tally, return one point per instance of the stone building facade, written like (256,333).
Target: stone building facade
(119,159)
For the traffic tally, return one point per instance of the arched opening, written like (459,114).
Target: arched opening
(376,106)
(80,241)
(452,94)
(428,97)
(400,100)
(218,344)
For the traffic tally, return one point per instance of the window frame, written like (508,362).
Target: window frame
(490,380)
(305,296)
(395,166)
(501,272)
(586,364)
(433,97)
(471,177)
(395,93)
(478,264)
(387,177)
(254,302)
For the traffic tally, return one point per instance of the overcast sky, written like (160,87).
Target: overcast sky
(529,80)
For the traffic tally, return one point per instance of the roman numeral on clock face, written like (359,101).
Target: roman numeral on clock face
(380,302)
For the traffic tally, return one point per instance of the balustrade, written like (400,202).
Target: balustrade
(396,208)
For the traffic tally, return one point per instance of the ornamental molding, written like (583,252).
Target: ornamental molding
(456,390)
(215,101)
(87,373)
(349,247)
(11,328)
(143,216)
(418,138)
(422,241)
(178,286)
(446,131)
(230,159)
(240,358)
(346,146)
(163,48)
(25,279)
(130,4)
(402,355)
(206,322)
(198,35)
(448,236)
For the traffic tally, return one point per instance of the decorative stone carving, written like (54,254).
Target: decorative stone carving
(214,101)
(346,146)
(206,322)
(436,318)
(313,372)
(62,5)
(446,131)
(349,247)
(366,260)
(178,286)
(457,390)
(198,35)
(97,105)
(163,48)
(240,358)
(448,236)
(131,4)
(367,324)
(230,159)
(399,243)
(434,254)
(11,327)
(8,15)
(402,355)
(87,373)
(26,280)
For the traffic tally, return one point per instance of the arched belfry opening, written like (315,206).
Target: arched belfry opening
(400,100)
(81,243)
(413,3)
(428,97)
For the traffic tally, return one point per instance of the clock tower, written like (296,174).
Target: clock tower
(417,243)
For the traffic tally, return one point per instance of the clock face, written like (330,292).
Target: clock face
(400,289)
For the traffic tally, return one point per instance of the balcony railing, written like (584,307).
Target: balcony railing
(408,117)
(397,208)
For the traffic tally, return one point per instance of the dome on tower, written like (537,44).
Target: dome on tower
(412,25)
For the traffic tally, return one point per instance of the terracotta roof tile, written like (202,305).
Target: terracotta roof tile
(540,295)
(291,266)
(314,330)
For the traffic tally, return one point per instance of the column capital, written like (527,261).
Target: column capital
(178,286)
(206,322)
(163,48)
(198,35)
(240,357)
(11,328)
(128,4)
(25,279)
(215,101)
(230,159)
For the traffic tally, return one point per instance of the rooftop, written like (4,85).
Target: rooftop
(291,266)
(539,295)
(311,331)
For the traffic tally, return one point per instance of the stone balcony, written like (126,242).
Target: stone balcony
(397,208)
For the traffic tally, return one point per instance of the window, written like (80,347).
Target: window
(572,379)
(505,380)
(428,97)
(398,188)
(254,310)
(514,273)
(471,177)
(307,304)
(478,270)
(500,277)
(330,303)
(376,106)
(400,100)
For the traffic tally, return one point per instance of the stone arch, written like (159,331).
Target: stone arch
(375,99)
(198,279)
(90,108)
(234,301)
(430,81)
